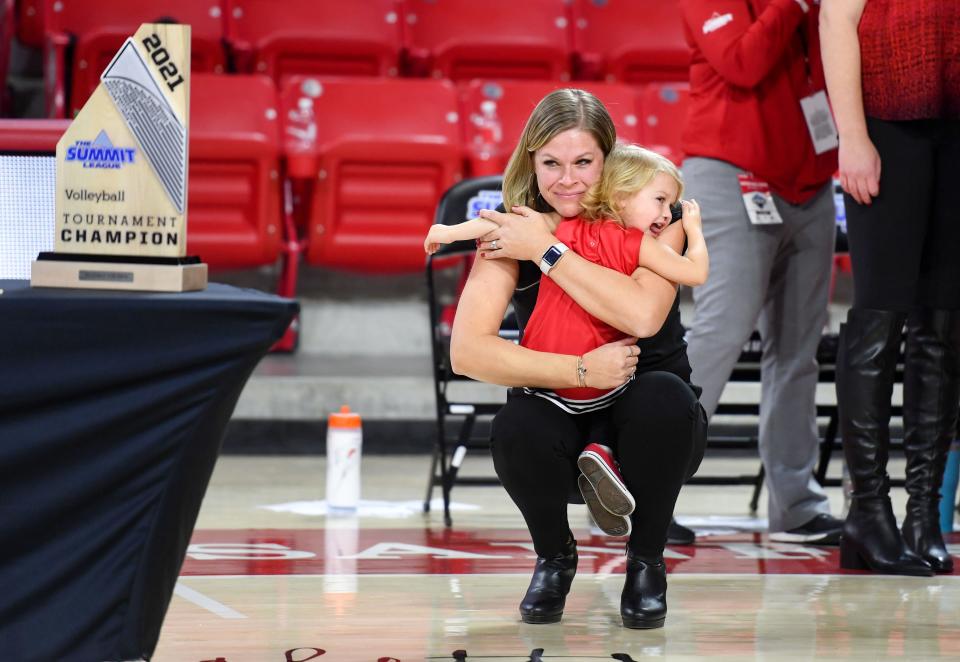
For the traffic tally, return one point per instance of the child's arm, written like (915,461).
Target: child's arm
(688,269)
(447,234)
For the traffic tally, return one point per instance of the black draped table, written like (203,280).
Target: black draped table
(113,407)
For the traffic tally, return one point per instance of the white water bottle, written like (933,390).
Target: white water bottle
(344,445)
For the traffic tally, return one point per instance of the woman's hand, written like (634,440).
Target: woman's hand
(522,235)
(859,168)
(610,365)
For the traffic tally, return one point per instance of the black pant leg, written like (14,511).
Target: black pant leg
(888,235)
(661,435)
(940,264)
(535,445)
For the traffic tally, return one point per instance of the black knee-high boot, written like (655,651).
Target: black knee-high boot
(866,361)
(931,397)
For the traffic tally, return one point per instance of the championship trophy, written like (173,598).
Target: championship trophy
(121,175)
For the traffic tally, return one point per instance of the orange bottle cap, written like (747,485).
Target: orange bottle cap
(344,418)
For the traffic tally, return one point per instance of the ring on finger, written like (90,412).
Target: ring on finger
(493,245)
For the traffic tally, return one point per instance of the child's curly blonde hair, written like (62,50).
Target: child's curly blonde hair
(626,170)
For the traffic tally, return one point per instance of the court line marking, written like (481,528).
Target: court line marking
(673,576)
(208,603)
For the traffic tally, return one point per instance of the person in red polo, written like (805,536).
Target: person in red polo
(761,150)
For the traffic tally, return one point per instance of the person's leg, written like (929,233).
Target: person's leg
(931,395)
(534,446)
(886,239)
(931,389)
(791,326)
(661,434)
(727,306)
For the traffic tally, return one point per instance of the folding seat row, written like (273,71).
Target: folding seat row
(630,41)
(380,152)
(372,157)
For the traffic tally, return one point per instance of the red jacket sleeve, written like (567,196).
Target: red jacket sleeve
(742,51)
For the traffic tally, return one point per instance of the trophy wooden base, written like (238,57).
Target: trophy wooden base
(117,272)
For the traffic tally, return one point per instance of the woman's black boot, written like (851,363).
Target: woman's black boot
(643,603)
(931,396)
(549,586)
(866,360)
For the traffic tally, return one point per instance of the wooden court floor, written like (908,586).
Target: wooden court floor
(270,578)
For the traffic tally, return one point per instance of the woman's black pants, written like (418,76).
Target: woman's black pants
(658,431)
(904,245)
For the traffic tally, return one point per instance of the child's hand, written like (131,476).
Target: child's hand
(691,215)
(435,238)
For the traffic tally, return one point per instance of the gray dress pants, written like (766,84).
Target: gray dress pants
(774,278)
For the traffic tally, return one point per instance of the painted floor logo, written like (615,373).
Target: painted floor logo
(100,153)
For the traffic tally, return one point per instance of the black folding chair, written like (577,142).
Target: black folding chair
(457,428)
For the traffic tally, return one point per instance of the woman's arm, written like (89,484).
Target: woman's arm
(840,46)
(636,305)
(477,350)
(689,269)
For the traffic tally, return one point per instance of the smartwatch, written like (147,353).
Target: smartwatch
(552,256)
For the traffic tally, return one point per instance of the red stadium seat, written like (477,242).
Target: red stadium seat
(631,41)
(493,114)
(664,116)
(234,212)
(30,22)
(97,28)
(384,151)
(465,39)
(315,37)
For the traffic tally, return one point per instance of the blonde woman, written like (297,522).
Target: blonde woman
(658,426)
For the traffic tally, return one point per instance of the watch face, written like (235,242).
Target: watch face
(552,255)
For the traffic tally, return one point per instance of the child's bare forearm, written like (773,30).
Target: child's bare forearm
(472,229)
(688,269)
(439,235)
(697,256)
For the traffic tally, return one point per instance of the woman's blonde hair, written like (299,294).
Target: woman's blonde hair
(559,111)
(626,170)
